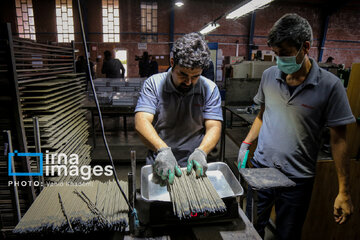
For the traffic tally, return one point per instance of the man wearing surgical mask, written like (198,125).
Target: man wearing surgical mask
(297,100)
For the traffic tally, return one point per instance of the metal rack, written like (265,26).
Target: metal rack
(62,123)
(37,81)
(12,135)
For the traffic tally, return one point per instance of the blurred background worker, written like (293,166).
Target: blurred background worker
(178,114)
(112,68)
(154,67)
(81,67)
(144,65)
(297,100)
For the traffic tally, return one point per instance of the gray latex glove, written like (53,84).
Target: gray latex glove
(197,159)
(166,165)
(243,153)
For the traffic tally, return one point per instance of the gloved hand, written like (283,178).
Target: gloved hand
(243,154)
(166,165)
(197,159)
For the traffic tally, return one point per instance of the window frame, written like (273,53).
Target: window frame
(149,21)
(25,19)
(110,11)
(65,28)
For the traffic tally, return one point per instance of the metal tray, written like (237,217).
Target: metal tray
(219,174)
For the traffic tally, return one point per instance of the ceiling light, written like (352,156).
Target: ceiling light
(179,3)
(246,8)
(208,28)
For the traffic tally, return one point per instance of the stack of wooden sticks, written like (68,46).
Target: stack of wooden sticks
(190,195)
(92,207)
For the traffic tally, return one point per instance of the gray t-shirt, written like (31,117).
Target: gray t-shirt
(179,119)
(289,136)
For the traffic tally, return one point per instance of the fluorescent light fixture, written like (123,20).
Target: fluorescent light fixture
(179,3)
(246,8)
(210,27)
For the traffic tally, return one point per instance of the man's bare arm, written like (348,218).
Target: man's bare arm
(343,206)
(147,132)
(212,135)
(255,128)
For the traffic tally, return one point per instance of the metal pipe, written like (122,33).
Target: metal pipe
(251,34)
(43,74)
(16,192)
(38,148)
(23,40)
(171,30)
(323,40)
(36,79)
(42,49)
(73,55)
(18,115)
(223,136)
(42,70)
(133,169)
(131,198)
(131,209)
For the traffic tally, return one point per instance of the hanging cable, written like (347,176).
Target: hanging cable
(132,209)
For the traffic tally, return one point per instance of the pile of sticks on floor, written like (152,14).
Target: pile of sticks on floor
(91,207)
(191,195)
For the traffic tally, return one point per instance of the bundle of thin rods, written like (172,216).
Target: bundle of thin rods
(92,207)
(190,195)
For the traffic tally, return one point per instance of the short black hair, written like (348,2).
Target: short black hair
(292,29)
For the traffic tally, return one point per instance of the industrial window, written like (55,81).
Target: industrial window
(111,20)
(64,20)
(149,21)
(25,19)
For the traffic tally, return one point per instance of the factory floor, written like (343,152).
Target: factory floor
(121,143)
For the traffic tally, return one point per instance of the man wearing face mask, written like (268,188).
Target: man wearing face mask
(297,100)
(178,114)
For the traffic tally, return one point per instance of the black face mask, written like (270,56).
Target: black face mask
(184,88)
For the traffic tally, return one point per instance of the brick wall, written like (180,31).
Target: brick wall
(343,37)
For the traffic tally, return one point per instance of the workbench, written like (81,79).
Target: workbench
(238,111)
(240,228)
(238,134)
(117,98)
(108,110)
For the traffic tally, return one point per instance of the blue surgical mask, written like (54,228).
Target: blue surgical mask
(288,65)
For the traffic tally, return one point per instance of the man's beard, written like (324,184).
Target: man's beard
(184,88)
